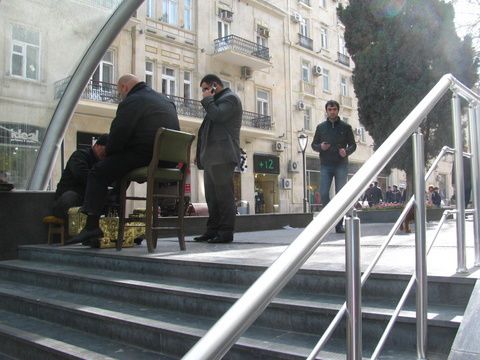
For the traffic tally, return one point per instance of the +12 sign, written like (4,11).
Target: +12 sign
(266,164)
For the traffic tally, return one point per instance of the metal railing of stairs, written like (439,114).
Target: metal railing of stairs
(225,332)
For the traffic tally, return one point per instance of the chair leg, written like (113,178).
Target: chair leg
(181,215)
(155,220)
(62,234)
(49,234)
(121,215)
(149,217)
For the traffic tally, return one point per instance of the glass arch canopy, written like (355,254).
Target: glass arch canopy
(44,41)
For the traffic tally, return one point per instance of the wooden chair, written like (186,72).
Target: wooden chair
(171,146)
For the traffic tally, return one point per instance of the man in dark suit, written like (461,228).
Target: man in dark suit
(218,152)
(71,187)
(140,114)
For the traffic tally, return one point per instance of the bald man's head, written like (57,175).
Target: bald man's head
(125,84)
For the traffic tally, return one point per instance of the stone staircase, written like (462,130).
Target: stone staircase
(74,303)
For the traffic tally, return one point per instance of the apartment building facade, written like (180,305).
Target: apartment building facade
(284,58)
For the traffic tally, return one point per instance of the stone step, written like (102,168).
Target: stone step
(160,330)
(387,286)
(25,337)
(294,311)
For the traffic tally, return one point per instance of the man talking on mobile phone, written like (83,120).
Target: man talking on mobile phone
(218,153)
(334,141)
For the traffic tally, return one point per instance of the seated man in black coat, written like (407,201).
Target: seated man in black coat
(130,145)
(71,187)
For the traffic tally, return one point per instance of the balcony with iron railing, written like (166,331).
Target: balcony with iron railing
(343,59)
(242,52)
(305,42)
(107,93)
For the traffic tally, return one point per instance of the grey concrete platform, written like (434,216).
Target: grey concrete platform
(263,247)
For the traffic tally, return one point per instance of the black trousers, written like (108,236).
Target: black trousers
(218,181)
(106,172)
(65,201)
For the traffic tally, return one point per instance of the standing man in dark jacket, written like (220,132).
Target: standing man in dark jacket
(218,152)
(334,141)
(140,114)
(71,187)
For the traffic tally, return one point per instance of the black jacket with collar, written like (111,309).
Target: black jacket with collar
(138,118)
(338,134)
(74,176)
(219,135)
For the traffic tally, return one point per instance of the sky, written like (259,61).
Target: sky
(465,14)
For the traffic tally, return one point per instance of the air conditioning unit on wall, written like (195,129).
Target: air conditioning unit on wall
(287,184)
(225,15)
(300,105)
(293,166)
(317,70)
(296,17)
(279,146)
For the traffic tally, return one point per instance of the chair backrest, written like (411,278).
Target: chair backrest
(173,146)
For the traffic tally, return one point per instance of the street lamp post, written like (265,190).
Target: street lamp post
(302,142)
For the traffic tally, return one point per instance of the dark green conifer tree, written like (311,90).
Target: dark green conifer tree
(401,48)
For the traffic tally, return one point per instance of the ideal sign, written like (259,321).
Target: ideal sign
(20,134)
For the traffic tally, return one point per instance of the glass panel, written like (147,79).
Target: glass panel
(48,40)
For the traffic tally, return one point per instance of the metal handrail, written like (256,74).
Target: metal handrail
(409,287)
(218,340)
(336,320)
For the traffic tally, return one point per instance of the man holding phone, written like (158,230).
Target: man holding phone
(334,141)
(218,153)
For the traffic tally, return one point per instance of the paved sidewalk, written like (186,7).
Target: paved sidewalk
(263,247)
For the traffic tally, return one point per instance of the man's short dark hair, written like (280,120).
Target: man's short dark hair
(332,103)
(211,78)
(102,140)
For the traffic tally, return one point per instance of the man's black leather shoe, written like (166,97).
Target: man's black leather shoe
(221,238)
(204,238)
(340,230)
(86,237)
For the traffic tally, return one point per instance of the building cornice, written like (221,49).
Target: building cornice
(267,6)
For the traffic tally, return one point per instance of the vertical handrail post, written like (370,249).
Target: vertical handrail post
(459,185)
(420,243)
(353,287)
(473,126)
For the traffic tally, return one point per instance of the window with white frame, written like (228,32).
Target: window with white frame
(341,45)
(150,5)
(326,79)
(361,134)
(187,84)
(307,118)
(105,69)
(324,37)
(263,102)
(226,84)
(304,27)
(170,11)
(187,14)
(149,73)
(306,71)
(343,86)
(223,28)
(168,81)
(25,60)
(262,36)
